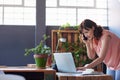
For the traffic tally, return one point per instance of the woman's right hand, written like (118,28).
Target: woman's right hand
(81,68)
(84,39)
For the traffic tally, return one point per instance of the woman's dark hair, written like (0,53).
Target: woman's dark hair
(88,24)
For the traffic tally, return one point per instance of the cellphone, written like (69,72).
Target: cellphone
(84,37)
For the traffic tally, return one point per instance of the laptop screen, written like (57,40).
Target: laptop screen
(65,62)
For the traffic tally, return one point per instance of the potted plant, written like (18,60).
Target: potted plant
(41,52)
(67,26)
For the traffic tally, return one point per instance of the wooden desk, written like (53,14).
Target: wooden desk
(47,74)
(68,76)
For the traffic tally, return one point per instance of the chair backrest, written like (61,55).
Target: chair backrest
(11,77)
(1,72)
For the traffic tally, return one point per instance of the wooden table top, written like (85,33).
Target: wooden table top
(24,69)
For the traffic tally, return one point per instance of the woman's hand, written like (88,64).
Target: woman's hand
(81,68)
(83,38)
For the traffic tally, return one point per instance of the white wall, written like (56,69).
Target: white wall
(114,16)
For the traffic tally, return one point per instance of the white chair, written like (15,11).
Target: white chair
(4,76)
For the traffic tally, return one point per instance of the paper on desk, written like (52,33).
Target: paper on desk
(88,71)
(91,72)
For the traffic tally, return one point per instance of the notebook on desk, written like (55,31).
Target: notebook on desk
(65,62)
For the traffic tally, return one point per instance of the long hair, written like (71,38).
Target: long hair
(88,24)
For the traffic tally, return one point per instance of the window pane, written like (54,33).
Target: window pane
(30,2)
(79,3)
(1,11)
(13,15)
(101,3)
(93,9)
(51,3)
(29,16)
(15,12)
(98,15)
(18,16)
(59,16)
(11,2)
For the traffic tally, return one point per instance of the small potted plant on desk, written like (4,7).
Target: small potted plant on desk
(41,53)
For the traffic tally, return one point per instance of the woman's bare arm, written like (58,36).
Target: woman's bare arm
(90,50)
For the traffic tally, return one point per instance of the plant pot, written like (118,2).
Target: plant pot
(40,60)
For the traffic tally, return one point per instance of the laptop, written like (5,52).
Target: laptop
(65,62)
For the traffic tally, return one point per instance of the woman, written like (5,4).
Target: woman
(103,43)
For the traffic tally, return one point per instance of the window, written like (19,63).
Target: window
(17,12)
(75,11)
(77,3)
